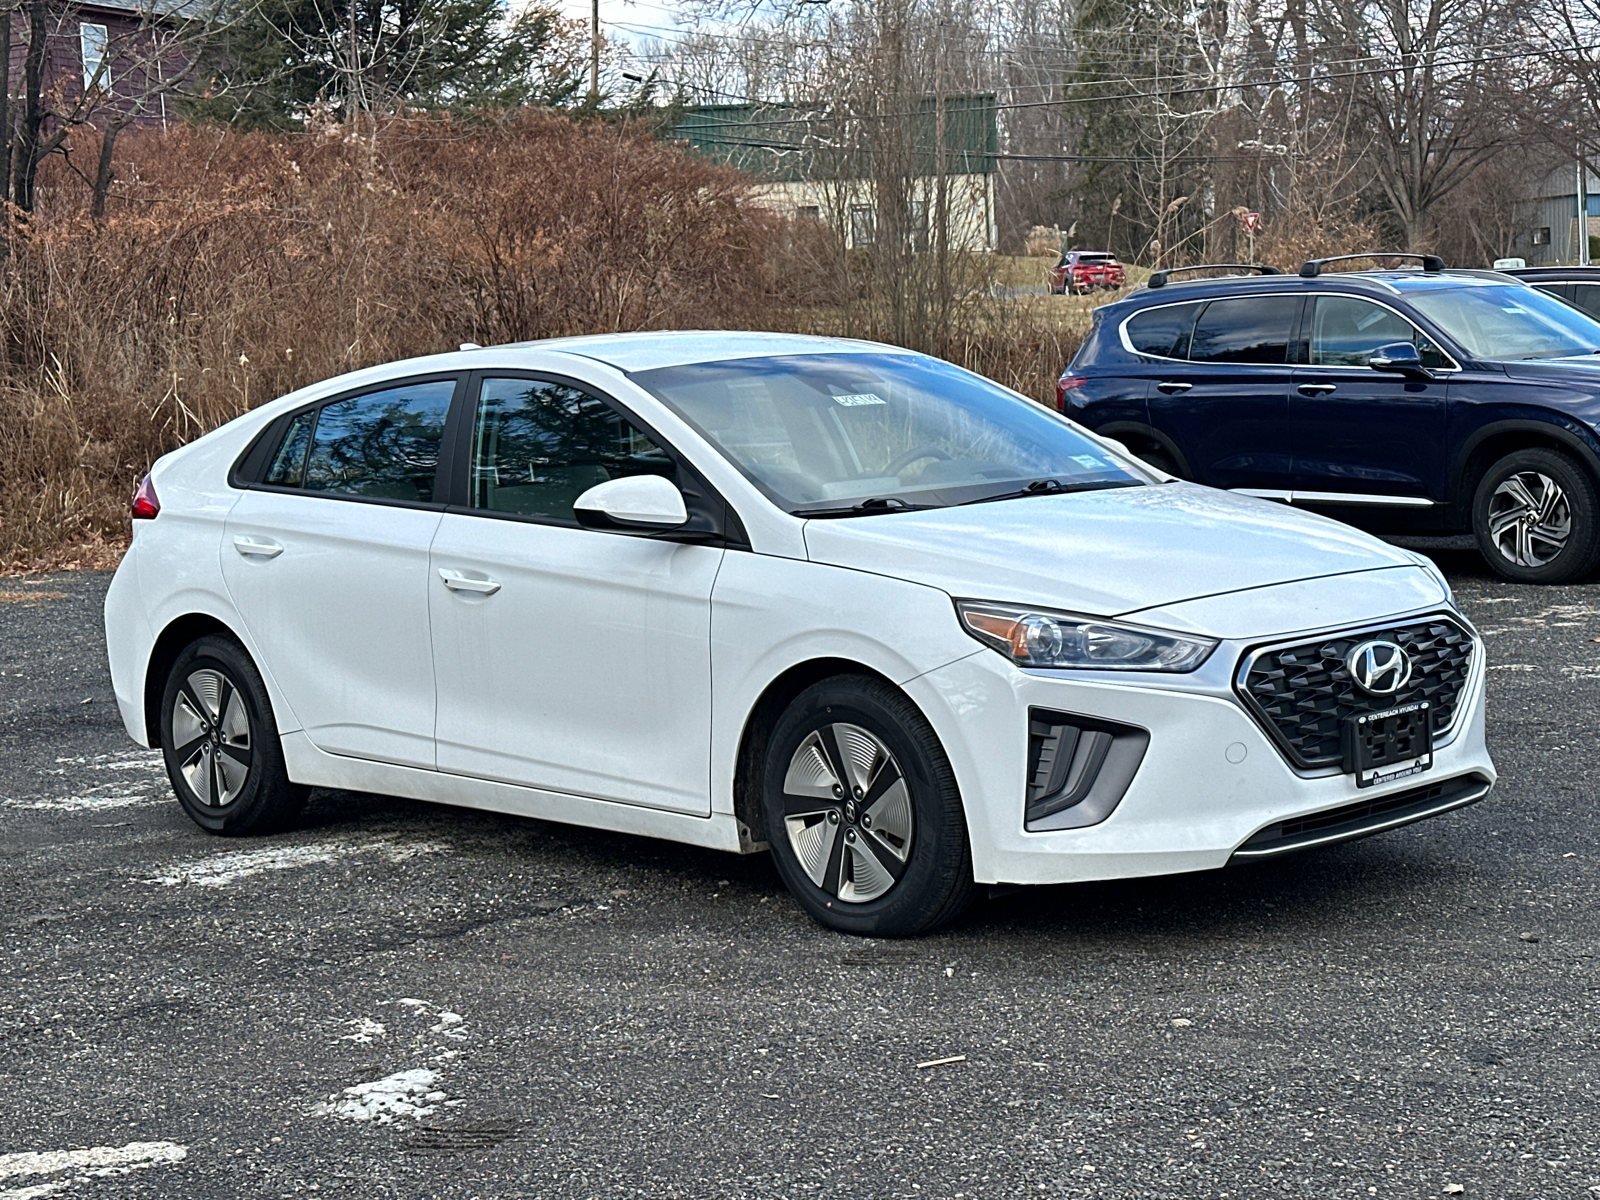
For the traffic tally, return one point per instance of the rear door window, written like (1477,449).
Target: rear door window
(538,445)
(1162,331)
(381,445)
(1247,329)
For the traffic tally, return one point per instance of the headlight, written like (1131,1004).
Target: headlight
(1032,637)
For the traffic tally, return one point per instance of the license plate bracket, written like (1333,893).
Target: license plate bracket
(1388,745)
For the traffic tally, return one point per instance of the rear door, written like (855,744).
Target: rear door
(1225,402)
(1364,438)
(327,563)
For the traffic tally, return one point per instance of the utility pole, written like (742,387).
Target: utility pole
(1583,212)
(594,58)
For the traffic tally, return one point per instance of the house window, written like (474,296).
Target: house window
(808,212)
(863,225)
(1541,236)
(92,39)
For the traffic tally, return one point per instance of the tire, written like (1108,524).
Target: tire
(1160,460)
(1535,518)
(221,743)
(894,866)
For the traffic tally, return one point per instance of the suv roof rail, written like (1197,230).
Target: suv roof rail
(1159,278)
(1312,267)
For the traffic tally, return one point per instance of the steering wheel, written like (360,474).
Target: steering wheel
(911,456)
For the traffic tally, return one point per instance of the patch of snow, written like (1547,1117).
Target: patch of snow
(220,870)
(365,1030)
(405,1094)
(79,1166)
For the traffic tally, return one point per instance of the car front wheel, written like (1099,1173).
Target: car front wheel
(863,813)
(1535,518)
(221,743)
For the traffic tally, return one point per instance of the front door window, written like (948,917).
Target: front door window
(539,445)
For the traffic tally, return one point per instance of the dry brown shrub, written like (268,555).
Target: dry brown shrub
(237,267)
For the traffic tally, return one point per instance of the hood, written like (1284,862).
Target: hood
(1582,370)
(1103,553)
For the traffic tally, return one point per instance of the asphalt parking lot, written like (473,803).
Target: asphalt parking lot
(548,1011)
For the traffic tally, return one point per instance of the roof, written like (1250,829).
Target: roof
(1540,274)
(1377,283)
(631,352)
(793,142)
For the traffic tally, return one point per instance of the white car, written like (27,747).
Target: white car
(908,629)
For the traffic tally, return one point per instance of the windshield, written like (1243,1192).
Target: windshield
(825,431)
(1509,322)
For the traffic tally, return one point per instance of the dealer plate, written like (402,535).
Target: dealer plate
(1383,746)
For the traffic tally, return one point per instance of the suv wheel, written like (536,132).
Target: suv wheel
(862,811)
(1536,519)
(221,743)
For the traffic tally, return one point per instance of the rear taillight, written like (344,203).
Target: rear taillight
(1065,385)
(145,502)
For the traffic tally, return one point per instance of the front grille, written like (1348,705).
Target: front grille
(1303,693)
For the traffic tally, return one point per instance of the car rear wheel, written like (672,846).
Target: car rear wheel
(1536,519)
(221,744)
(862,811)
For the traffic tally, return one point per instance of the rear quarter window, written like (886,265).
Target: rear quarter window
(1162,331)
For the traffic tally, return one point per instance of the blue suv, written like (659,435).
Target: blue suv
(1421,400)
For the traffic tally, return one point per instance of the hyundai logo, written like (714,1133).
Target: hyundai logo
(1381,668)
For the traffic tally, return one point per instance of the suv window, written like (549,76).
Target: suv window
(1344,332)
(1247,329)
(537,446)
(1162,331)
(380,444)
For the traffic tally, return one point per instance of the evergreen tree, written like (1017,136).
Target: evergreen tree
(366,55)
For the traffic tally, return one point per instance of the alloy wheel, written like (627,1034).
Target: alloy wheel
(847,812)
(211,737)
(1530,519)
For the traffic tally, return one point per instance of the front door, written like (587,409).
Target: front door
(1364,438)
(327,564)
(1227,407)
(568,658)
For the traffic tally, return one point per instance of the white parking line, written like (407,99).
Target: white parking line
(220,870)
(79,1166)
(140,777)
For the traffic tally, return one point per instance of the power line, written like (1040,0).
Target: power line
(1167,93)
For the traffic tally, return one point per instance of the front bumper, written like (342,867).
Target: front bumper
(1212,785)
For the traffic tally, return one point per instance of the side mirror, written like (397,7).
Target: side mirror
(1399,356)
(637,502)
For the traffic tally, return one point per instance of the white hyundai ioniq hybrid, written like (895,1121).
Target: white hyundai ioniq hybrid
(902,626)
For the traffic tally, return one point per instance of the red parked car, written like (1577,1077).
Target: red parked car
(1081,271)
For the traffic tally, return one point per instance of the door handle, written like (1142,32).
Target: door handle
(251,548)
(457,582)
(1316,389)
(1172,389)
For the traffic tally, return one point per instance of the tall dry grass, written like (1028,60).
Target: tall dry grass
(236,267)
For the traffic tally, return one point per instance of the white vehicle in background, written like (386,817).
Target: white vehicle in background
(903,626)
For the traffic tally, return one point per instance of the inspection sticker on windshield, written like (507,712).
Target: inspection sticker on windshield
(1087,461)
(858,399)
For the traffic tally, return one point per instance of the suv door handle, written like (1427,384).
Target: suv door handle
(457,582)
(1316,389)
(251,548)
(1174,388)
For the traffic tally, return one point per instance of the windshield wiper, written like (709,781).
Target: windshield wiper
(863,508)
(1054,487)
